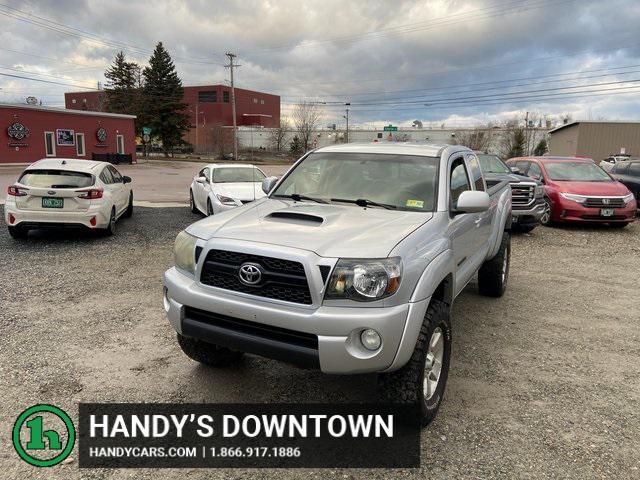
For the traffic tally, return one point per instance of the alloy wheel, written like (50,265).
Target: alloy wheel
(546,215)
(433,363)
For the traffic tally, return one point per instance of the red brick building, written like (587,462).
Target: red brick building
(211,104)
(31,133)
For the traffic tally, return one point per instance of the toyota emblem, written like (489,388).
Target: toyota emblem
(250,273)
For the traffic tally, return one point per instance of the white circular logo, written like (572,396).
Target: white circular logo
(250,273)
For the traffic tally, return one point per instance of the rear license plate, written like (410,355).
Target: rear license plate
(52,202)
(607,212)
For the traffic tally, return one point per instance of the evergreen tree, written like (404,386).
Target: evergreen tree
(164,110)
(296,146)
(121,85)
(541,148)
(123,88)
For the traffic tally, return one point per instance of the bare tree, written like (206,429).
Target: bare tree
(306,116)
(277,135)
(477,139)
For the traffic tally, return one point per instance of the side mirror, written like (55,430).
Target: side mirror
(268,184)
(472,201)
(515,170)
(201,179)
(126,179)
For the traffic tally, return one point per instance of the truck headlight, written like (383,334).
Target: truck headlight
(184,252)
(628,198)
(539,191)
(365,280)
(226,200)
(574,198)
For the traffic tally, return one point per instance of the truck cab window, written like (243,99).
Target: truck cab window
(459,180)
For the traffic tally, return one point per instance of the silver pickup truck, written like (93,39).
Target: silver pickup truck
(349,265)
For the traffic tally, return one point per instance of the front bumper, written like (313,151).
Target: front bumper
(15,217)
(568,211)
(222,317)
(528,216)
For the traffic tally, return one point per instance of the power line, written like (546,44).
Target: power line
(61,28)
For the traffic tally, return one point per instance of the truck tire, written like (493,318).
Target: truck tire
(208,353)
(494,273)
(422,381)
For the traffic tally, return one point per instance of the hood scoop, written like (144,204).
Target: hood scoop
(295,217)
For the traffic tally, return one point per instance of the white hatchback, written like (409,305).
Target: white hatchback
(220,187)
(68,193)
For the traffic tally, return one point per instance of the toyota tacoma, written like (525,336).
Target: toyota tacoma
(350,264)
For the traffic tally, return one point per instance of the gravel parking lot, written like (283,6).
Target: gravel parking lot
(544,381)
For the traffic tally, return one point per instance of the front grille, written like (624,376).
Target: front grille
(601,202)
(522,195)
(282,279)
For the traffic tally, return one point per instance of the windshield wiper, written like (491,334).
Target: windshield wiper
(297,197)
(363,202)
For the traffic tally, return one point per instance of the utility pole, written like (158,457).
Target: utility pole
(346,135)
(231,66)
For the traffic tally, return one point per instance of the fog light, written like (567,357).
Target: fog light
(92,221)
(12,219)
(370,339)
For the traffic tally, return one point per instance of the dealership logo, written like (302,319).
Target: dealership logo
(250,273)
(18,131)
(101,135)
(44,435)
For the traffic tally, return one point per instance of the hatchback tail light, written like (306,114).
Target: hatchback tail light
(17,191)
(90,193)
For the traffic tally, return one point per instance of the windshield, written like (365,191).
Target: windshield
(233,175)
(56,179)
(576,172)
(405,182)
(492,164)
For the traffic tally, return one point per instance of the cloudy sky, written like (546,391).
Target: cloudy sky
(458,62)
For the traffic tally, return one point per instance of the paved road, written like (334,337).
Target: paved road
(543,383)
(156,181)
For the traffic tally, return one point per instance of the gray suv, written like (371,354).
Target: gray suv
(349,265)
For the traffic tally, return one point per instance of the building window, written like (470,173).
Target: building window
(225,97)
(208,96)
(49,144)
(120,144)
(261,102)
(80,144)
(73,100)
(84,100)
(255,100)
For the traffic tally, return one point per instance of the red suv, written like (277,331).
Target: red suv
(577,190)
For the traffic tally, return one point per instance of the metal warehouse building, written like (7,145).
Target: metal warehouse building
(596,140)
(32,133)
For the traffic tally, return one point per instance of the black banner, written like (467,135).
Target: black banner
(248,435)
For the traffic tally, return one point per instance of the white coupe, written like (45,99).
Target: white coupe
(220,187)
(58,192)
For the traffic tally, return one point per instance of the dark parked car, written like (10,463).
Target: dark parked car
(527,203)
(628,172)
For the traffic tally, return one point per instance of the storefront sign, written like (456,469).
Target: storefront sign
(101,135)
(17,132)
(65,137)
